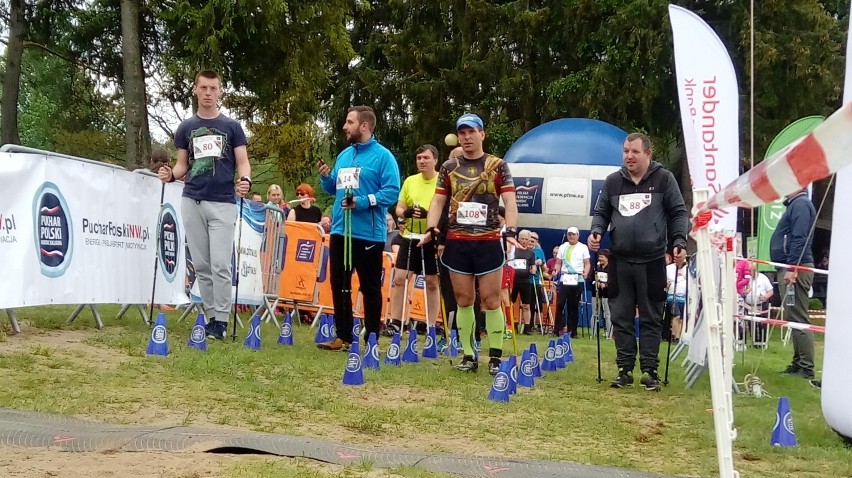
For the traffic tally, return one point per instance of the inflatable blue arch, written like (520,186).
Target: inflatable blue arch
(559,168)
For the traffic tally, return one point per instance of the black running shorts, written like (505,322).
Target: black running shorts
(473,257)
(414,262)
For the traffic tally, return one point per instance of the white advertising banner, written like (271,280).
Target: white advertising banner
(836,385)
(709,106)
(567,196)
(83,233)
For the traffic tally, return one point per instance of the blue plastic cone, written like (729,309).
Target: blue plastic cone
(452,349)
(158,344)
(410,354)
(526,375)
(477,347)
(322,330)
(198,335)
(392,356)
(286,335)
(783,433)
(535,358)
(371,357)
(356,328)
(513,374)
(500,387)
(569,348)
(354,374)
(549,363)
(252,340)
(560,353)
(430,346)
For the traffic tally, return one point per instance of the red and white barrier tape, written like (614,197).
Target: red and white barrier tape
(782,323)
(788,266)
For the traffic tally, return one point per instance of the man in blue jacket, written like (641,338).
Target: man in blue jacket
(643,208)
(791,244)
(370,174)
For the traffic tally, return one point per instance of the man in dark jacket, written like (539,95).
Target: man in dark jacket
(642,206)
(791,244)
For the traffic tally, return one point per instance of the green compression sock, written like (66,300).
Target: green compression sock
(495,324)
(465,321)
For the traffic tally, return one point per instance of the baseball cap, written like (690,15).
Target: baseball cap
(470,120)
(573,230)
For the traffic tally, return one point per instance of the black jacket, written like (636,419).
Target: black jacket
(645,219)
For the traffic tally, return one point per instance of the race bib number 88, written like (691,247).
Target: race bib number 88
(472,213)
(632,204)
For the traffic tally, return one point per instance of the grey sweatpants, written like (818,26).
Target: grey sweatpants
(633,285)
(210,238)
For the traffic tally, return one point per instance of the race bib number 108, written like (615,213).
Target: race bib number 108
(472,213)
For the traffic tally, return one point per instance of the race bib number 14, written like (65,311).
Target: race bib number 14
(348,178)
(632,204)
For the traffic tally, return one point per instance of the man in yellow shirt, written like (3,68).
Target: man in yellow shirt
(414,197)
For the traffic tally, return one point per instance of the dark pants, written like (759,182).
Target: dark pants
(367,262)
(633,285)
(803,340)
(568,294)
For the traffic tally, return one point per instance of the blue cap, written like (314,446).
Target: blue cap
(470,120)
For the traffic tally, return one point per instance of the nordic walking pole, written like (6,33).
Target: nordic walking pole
(423,271)
(669,348)
(546,303)
(156,254)
(512,322)
(237,285)
(598,326)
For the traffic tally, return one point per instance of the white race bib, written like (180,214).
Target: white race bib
(631,204)
(518,263)
(348,178)
(207,146)
(569,279)
(602,277)
(472,213)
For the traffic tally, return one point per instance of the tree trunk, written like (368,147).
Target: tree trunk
(12,78)
(138,138)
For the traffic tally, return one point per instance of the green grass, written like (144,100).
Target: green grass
(294,468)
(428,406)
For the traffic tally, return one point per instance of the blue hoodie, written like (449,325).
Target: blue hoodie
(378,189)
(792,239)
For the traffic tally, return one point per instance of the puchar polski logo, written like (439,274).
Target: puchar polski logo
(54,241)
(169,243)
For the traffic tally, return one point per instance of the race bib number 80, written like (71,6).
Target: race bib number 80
(632,204)
(472,213)
(207,146)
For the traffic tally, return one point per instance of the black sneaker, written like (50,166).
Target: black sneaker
(468,364)
(209,326)
(651,381)
(392,329)
(791,369)
(494,365)
(218,330)
(815,383)
(624,379)
(804,374)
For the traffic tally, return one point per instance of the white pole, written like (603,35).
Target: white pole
(720,391)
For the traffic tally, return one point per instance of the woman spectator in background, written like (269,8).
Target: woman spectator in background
(305,211)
